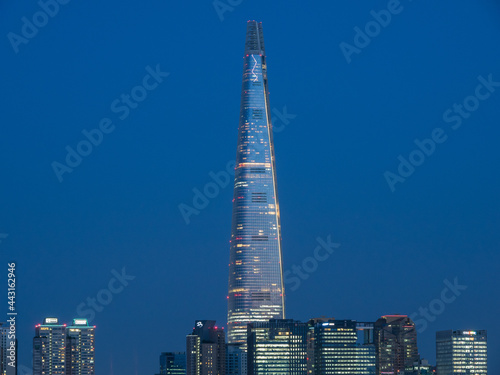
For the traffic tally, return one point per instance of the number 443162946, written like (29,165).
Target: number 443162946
(12,286)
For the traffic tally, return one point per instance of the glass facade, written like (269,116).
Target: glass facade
(340,347)
(277,347)
(461,353)
(255,292)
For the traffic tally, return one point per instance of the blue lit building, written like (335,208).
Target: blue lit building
(340,347)
(461,352)
(277,347)
(255,292)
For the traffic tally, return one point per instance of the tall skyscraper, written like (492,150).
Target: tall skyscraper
(461,353)
(256,292)
(49,348)
(59,349)
(80,349)
(206,349)
(396,344)
(278,346)
(340,347)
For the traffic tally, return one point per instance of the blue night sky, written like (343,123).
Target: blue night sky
(346,126)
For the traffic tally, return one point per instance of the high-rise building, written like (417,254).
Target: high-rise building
(256,292)
(59,349)
(340,347)
(278,346)
(49,348)
(173,363)
(206,349)
(80,348)
(396,344)
(461,352)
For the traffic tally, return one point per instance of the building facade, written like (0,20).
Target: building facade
(173,363)
(255,292)
(277,347)
(396,344)
(340,347)
(461,352)
(206,349)
(59,349)
(236,360)
(80,348)
(49,348)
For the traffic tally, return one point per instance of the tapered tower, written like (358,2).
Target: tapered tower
(256,292)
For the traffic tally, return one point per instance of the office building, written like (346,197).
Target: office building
(255,292)
(461,352)
(396,344)
(340,347)
(278,346)
(206,349)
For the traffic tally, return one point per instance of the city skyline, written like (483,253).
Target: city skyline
(119,149)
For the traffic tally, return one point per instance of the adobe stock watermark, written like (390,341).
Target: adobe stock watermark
(363,37)
(24,370)
(3,236)
(30,27)
(221,179)
(104,297)
(122,107)
(310,264)
(223,6)
(437,306)
(426,147)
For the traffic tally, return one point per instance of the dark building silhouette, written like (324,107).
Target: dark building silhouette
(173,363)
(396,344)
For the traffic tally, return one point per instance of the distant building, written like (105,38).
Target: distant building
(396,344)
(278,346)
(206,349)
(236,360)
(7,365)
(340,347)
(461,352)
(421,367)
(173,363)
(4,331)
(49,348)
(59,349)
(80,348)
